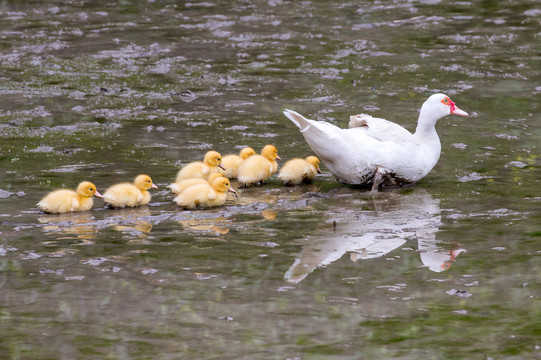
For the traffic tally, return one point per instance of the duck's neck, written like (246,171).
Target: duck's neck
(427,137)
(426,127)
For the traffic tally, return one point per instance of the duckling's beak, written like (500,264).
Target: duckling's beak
(319,171)
(232,190)
(154,186)
(97,194)
(278,157)
(221,167)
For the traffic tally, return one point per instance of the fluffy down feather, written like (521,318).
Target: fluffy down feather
(201,169)
(232,162)
(178,187)
(65,200)
(205,195)
(258,168)
(299,171)
(130,195)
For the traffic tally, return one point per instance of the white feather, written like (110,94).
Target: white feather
(373,145)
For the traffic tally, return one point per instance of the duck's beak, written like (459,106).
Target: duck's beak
(154,186)
(232,190)
(97,194)
(278,158)
(455,110)
(221,167)
(319,171)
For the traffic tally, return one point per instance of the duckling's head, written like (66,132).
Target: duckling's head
(214,176)
(87,189)
(213,158)
(313,160)
(246,152)
(144,182)
(222,184)
(270,152)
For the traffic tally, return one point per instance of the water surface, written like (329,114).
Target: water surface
(448,268)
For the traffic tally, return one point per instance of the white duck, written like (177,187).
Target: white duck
(376,151)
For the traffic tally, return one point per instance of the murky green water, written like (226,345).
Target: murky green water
(447,269)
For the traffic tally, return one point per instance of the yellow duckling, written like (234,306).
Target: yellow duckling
(231,162)
(299,171)
(178,187)
(258,168)
(66,200)
(130,195)
(201,169)
(205,195)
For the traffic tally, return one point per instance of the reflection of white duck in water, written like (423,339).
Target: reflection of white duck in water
(372,234)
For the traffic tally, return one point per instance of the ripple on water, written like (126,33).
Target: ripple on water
(95,262)
(4,249)
(5,194)
(73,168)
(472,177)
(42,149)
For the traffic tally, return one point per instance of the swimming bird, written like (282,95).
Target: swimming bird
(258,168)
(201,169)
(376,151)
(231,162)
(66,200)
(180,186)
(205,195)
(129,195)
(299,171)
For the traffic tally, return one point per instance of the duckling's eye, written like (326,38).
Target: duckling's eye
(91,189)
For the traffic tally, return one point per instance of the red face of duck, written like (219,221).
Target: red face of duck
(453,109)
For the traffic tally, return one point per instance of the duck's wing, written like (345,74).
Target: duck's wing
(140,197)
(380,129)
(74,204)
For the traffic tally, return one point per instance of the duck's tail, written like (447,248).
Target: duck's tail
(297,119)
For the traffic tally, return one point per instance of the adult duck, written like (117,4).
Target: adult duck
(375,151)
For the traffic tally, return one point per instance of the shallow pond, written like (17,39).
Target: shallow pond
(449,268)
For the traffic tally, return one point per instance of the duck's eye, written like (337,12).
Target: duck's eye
(91,189)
